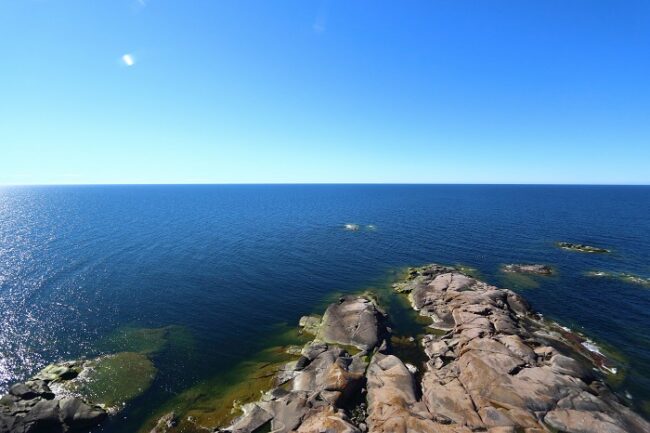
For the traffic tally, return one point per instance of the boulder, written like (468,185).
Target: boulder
(353,321)
(325,419)
(44,416)
(254,417)
(310,324)
(78,415)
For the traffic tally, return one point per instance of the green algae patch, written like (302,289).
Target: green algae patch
(113,380)
(148,341)
(217,401)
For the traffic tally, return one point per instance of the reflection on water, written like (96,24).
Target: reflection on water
(91,270)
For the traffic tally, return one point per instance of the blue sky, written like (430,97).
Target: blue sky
(548,91)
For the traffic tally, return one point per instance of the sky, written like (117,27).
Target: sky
(240,91)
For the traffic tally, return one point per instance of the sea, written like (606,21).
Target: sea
(236,266)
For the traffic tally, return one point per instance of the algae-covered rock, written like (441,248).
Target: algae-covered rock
(60,371)
(111,380)
(310,324)
(166,423)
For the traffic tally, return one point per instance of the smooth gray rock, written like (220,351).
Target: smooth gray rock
(44,417)
(76,414)
(22,391)
(254,417)
(354,321)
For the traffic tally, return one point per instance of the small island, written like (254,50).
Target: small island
(581,248)
(535,269)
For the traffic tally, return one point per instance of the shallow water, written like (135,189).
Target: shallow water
(231,265)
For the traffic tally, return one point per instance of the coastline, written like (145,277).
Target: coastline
(415,343)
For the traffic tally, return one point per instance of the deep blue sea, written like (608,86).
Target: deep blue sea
(231,263)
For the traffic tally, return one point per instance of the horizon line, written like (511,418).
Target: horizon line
(318,183)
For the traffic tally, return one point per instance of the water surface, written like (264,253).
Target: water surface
(233,264)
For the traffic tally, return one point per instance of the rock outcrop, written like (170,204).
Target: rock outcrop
(581,248)
(314,391)
(33,406)
(75,396)
(499,368)
(536,269)
(488,364)
(353,321)
(492,366)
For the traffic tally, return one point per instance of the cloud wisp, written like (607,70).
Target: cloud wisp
(320,22)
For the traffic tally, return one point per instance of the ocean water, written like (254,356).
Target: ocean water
(233,265)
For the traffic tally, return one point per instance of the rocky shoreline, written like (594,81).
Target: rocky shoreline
(492,365)
(486,363)
(41,405)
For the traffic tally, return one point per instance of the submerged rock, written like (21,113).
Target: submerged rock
(166,423)
(110,380)
(621,276)
(581,248)
(527,269)
(148,341)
